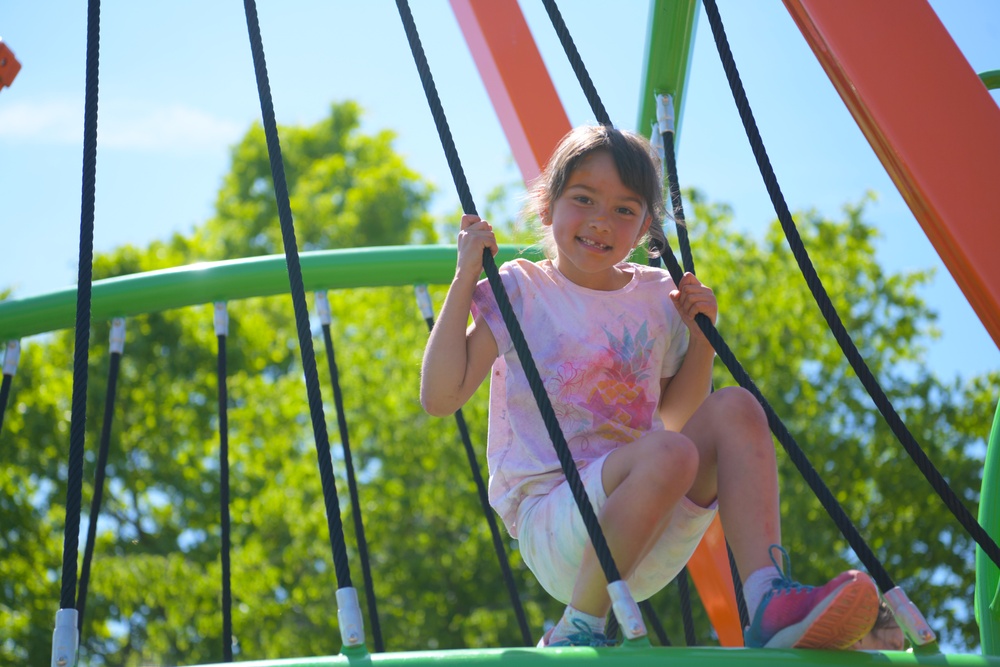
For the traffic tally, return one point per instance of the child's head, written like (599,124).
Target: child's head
(637,170)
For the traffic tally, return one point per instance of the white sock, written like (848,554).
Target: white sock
(756,587)
(565,626)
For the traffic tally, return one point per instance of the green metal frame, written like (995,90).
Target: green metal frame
(627,656)
(669,42)
(197,284)
(991,79)
(987,574)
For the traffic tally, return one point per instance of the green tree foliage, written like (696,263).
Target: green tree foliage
(155,589)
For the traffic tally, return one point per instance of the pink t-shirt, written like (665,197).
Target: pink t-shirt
(601,356)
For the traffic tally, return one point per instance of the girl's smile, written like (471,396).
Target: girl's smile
(596,223)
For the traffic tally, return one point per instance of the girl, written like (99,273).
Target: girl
(628,373)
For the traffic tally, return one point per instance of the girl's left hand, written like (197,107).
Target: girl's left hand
(692,298)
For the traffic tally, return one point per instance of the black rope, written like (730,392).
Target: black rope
(99,477)
(8,380)
(916,452)
(597,106)
(589,90)
(795,453)
(513,327)
(81,352)
(808,472)
(654,620)
(741,600)
(227,596)
(336,528)
(684,591)
(683,240)
(676,204)
(484,501)
(508,575)
(352,484)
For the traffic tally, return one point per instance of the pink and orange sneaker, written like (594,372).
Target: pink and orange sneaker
(832,616)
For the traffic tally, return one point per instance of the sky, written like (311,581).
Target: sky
(177,90)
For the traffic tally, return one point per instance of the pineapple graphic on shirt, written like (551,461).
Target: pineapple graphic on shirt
(622,412)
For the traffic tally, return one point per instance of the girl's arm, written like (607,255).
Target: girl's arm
(456,359)
(683,393)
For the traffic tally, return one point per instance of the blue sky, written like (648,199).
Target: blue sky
(177,90)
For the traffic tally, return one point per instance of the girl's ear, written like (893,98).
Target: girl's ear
(545,217)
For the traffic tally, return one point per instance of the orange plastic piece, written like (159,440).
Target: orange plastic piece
(709,568)
(930,120)
(516,79)
(9,67)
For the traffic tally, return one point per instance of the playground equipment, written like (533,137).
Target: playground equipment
(9,66)
(922,187)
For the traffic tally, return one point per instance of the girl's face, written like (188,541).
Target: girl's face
(596,222)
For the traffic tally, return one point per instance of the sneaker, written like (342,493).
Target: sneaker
(833,616)
(584,636)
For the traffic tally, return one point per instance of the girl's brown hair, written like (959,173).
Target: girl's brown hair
(633,158)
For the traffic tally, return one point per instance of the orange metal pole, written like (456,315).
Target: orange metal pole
(518,84)
(534,121)
(929,119)
(709,568)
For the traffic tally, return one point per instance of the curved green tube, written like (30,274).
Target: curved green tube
(229,280)
(625,656)
(987,574)
(991,79)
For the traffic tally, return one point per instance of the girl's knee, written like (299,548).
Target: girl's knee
(673,456)
(738,406)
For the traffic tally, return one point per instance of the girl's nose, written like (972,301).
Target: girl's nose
(600,222)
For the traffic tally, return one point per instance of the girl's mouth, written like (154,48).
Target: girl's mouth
(593,244)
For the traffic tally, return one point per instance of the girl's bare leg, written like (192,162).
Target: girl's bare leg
(643,482)
(737,465)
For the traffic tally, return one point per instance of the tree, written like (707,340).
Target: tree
(155,591)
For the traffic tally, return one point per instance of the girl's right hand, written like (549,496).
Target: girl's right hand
(476,234)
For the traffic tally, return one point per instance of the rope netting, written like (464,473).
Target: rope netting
(74,592)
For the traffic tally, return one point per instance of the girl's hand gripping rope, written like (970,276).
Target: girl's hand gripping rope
(690,298)
(475,235)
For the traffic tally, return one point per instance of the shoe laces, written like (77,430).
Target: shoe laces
(584,636)
(783,583)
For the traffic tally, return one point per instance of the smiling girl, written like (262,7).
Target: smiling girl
(628,373)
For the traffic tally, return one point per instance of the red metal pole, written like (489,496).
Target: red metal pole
(930,120)
(519,86)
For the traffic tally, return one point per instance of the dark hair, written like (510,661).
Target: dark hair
(633,158)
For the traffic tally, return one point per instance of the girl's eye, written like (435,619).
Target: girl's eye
(582,199)
(624,210)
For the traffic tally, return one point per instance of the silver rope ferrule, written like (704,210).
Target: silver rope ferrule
(118,335)
(909,617)
(352,625)
(221,319)
(424,301)
(323,308)
(65,639)
(665,113)
(11,357)
(626,610)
